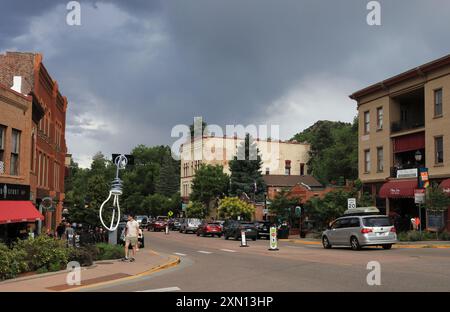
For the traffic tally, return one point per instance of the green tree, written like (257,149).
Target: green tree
(246,171)
(326,209)
(436,200)
(282,205)
(196,209)
(208,184)
(232,207)
(334,150)
(168,182)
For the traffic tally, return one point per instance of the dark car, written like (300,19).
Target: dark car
(263,229)
(209,228)
(175,226)
(121,236)
(159,224)
(233,228)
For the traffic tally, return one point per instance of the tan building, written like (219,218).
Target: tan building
(279,157)
(404,124)
(17,185)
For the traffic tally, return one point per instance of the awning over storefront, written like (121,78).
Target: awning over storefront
(14,211)
(445,186)
(398,189)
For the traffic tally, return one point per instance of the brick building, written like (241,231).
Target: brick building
(48,145)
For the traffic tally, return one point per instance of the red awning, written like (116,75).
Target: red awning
(445,186)
(410,142)
(15,211)
(398,189)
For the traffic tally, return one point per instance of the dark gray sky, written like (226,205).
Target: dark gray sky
(135,69)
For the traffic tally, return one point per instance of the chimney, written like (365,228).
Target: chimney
(17,84)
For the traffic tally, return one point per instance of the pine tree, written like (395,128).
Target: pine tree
(168,181)
(246,171)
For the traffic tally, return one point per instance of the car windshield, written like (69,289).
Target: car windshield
(377,221)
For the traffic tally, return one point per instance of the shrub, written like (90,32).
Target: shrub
(11,262)
(414,236)
(82,255)
(445,236)
(43,253)
(107,251)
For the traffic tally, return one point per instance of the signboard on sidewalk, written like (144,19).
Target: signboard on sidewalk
(419,196)
(351,203)
(273,238)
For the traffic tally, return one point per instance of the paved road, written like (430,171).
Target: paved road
(213,264)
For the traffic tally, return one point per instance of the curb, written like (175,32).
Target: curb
(397,245)
(176,260)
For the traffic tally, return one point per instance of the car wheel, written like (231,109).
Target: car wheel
(354,243)
(253,238)
(387,246)
(225,237)
(236,237)
(219,235)
(198,234)
(326,243)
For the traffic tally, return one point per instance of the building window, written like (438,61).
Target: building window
(2,148)
(380,159)
(439,147)
(367,161)
(366,122)
(380,118)
(287,167)
(438,102)
(302,169)
(15,150)
(267,170)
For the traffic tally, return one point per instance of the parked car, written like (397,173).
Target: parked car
(358,229)
(221,222)
(159,224)
(263,229)
(189,225)
(209,228)
(175,224)
(121,236)
(143,221)
(233,228)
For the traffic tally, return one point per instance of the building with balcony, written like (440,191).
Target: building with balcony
(404,124)
(47,128)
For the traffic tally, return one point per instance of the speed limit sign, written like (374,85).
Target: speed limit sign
(351,203)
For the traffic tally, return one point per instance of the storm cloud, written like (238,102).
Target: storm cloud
(135,69)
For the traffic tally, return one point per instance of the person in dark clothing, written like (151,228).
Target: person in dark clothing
(60,229)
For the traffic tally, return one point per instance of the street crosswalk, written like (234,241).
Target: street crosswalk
(204,252)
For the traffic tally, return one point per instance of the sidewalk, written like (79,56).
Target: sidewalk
(101,273)
(419,244)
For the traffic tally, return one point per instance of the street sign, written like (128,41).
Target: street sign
(351,203)
(298,211)
(424,181)
(419,196)
(170,213)
(273,239)
(407,173)
(183,206)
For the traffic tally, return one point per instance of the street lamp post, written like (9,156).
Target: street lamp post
(418,157)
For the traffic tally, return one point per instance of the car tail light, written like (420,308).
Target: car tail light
(366,230)
(393,230)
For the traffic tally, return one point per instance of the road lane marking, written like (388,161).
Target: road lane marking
(204,252)
(166,289)
(228,250)
(179,254)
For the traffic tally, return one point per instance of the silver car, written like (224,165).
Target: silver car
(190,225)
(359,231)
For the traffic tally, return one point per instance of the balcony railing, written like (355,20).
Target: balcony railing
(397,126)
(2,167)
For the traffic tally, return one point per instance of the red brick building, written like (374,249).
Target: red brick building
(48,135)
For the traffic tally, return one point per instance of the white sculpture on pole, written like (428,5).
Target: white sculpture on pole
(116,190)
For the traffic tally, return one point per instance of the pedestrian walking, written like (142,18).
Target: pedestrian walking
(68,234)
(131,237)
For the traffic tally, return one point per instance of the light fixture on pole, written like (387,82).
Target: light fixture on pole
(116,190)
(418,156)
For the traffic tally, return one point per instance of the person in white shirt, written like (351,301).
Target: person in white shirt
(131,236)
